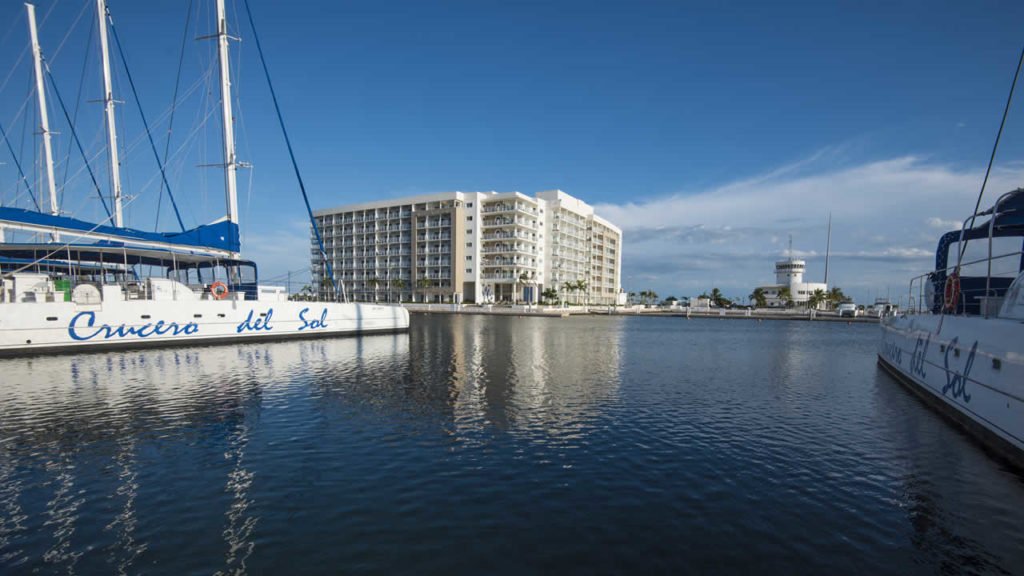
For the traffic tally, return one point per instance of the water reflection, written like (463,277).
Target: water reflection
(955,529)
(647,444)
(521,374)
(78,433)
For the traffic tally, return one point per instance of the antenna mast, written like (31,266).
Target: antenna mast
(790,255)
(230,163)
(108,105)
(828,246)
(37,54)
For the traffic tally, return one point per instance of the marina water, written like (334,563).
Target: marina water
(485,445)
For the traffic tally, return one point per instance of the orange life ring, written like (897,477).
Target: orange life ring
(219,290)
(952,292)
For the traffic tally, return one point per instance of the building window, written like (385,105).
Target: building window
(469,257)
(469,204)
(469,218)
(469,270)
(469,231)
(469,244)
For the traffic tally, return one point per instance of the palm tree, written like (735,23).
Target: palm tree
(652,296)
(398,284)
(836,296)
(717,298)
(372,283)
(549,295)
(568,287)
(423,283)
(816,299)
(786,296)
(581,285)
(757,296)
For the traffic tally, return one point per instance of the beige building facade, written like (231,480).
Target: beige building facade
(473,247)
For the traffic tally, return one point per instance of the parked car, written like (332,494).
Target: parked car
(848,310)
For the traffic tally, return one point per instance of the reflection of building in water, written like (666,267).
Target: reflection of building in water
(77,434)
(542,373)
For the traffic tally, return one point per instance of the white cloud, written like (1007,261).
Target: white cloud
(887,216)
(284,248)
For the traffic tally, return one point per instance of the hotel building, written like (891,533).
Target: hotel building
(472,247)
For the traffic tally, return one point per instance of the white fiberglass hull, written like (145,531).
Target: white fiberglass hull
(970,367)
(30,328)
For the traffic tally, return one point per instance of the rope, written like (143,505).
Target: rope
(991,160)
(74,136)
(291,152)
(138,104)
(174,104)
(78,103)
(20,171)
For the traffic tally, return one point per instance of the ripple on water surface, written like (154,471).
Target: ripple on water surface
(497,445)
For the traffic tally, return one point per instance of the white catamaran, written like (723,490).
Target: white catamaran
(76,285)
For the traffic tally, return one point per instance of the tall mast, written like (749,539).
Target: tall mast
(828,246)
(37,54)
(108,105)
(230,165)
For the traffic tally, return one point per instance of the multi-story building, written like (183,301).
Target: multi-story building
(469,247)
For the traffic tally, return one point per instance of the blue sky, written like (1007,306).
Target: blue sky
(708,131)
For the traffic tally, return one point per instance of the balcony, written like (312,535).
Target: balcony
(506,222)
(510,236)
(509,207)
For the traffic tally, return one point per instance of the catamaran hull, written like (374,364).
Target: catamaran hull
(70,327)
(965,367)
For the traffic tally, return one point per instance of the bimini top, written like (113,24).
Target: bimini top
(1005,219)
(104,253)
(216,239)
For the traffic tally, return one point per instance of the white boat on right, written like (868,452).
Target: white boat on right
(959,343)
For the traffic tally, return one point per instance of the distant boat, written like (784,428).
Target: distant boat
(77,285)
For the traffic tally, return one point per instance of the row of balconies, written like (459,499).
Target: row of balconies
(510,235)
(508,248)
(434,236)
(433,222)
(504,221)
(521,262)
(508,207)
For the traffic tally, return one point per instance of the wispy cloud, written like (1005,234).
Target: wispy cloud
(280,250)
(887,215)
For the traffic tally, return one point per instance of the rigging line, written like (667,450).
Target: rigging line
(21,173)
(78,103)
(70,29)
(991,160)
(25,50)
(138,104)
(138,141)
(74,136)
(174,103)
(291,152)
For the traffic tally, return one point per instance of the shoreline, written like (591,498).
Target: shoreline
(828,316)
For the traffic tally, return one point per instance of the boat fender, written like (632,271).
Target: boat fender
(219,290)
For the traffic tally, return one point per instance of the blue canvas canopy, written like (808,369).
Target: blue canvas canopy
(1008,222)
(219,236)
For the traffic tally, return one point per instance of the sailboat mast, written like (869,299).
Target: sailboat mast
(108,105)
(230,163)
(828,246)
(37,54)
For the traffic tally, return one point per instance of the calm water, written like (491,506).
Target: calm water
(483,445)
